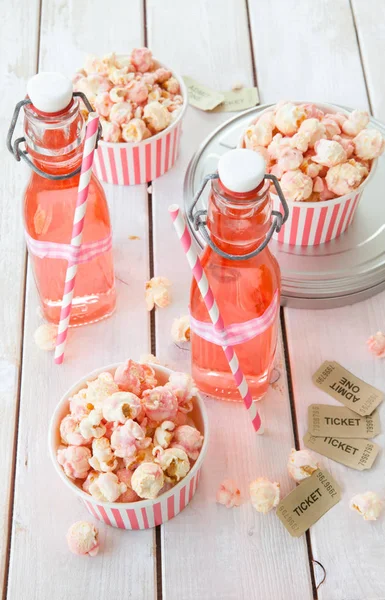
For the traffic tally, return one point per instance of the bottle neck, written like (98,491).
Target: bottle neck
(238,223)
(55,142)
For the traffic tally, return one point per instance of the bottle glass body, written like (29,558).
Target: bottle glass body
(243,289)
(55,144)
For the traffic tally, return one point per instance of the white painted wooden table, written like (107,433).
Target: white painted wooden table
(325,50)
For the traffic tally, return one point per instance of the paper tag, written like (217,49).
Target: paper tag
(308,502)
(355,453)
(238,100)
(201,96)
(347,388)
(326,420)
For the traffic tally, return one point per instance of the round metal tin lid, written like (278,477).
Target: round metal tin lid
(345,270)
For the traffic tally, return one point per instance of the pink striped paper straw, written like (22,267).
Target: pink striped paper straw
(77,233)
(212,307)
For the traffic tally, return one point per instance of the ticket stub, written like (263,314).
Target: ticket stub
(355,453)
(238,100)
(201,96)
(338,421)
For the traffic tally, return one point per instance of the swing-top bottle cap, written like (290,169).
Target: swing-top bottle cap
(241,170)
(50,92)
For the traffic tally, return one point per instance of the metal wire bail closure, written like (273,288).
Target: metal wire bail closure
(199,224)
(18,153)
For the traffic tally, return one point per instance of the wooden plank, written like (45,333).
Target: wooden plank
(41,566)
(350,549)
(209,551)
(370,22)
(317,58)
(17,63)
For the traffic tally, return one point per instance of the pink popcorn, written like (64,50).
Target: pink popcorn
(184,388)
(174,463)
(93,64)
(160,404)
(162,75)
(296,186)
(228,494)
(156,116)
(309,167)
(149,358)
(369,144)
(92,85)
(103,104)
(346,142)
(345,177)
(140,457)
(332,128)
(369,505)
(172,85)
(288,118)
(155,94)
(120,77)
(141,58)
(157,292)
(124,476)
(137,92)
(289,160)
(181,418)
(134,377)
(107,488)
(82,539)
(189,439)
(45,336)
(127,438)
(164,434)
(277,145)
(135,131)
(91,477)
(78,76)
(69,432)
(121,406)
(91,426)
(117,94)
(180,329)
(329,153)
(312,112)
(264,494)
(302,464)
(338,118)
(79,405)
(74,460)
(261,132)
(147,480)
(321,187)
(309,132)
(356,121)
(376,344)
(111,131)
(99,389)
(103,458)
(121,112)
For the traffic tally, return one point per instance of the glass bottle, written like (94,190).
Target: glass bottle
(54,137)
(247,290)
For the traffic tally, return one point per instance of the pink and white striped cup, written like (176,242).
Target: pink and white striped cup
(314,223)
(146,513)
(124,163)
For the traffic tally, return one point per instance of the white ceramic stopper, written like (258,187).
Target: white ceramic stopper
(50,92)
(241,170)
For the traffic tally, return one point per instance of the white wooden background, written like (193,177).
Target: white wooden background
(325,50)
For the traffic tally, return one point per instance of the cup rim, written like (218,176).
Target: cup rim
(52,446)
(320,203)
(164,131)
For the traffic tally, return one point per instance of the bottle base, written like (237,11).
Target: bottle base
(221,386)
(85,310)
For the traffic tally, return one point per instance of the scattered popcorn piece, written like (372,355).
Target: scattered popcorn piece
(264,494)
(237,86)
(160,404)
(329,153)
(107,488)
(147,480)
(157,293)
(288,117)
(124,476)
(228,494)
(180,329)
(189,439)
(82,538)
(121,406)
(368,505)
(164,434)
(376,344)
(149,358)
(174,463)
(45,336)
(103,458)
(296,185)
(345,177)
(356,121)
(302,464)
(369,144)
(74,460)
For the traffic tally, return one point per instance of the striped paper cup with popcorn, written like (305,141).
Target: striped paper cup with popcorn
(143,514)
(314,223)
(125,163)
